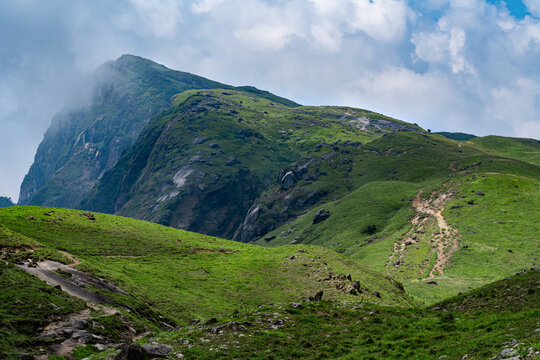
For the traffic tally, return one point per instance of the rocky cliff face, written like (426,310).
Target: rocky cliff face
(82,143)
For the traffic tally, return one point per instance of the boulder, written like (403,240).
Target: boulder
(158,350)
(131,352)
(317,297)
(231,161)
(321,215)
(288,180)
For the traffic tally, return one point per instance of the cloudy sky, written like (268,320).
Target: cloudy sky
(456,65)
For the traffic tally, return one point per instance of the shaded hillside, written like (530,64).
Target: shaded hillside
(456,135)
(202,163)
(86,140)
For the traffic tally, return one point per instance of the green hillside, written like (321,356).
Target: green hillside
(169,276)
(494,322)
(485,237)
(527,150)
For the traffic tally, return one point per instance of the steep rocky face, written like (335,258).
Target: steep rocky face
(202,163)
(82,143)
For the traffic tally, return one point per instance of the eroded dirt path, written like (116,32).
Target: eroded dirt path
(74,282)
(444,241)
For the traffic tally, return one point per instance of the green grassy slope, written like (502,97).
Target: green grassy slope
(200,165)
(476,325)
(520,149)
(181,275)
(387,174)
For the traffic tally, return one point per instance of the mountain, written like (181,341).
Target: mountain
(5,202)
(131,274)
(200,165)
(441,215)
(87,139)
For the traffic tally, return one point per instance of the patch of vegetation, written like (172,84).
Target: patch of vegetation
(173,275)
(325,330)
(26,305)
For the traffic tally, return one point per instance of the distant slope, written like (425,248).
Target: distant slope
(520,149)
(86,140)
(5,202)
(200,165)
(391,219)
(456,135)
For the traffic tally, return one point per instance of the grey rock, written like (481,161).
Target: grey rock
(198,141)
(131,352)
(231,160)
(296,305)
(159,350)
(506,353)
(320,216)
(288,180)
(78,324)
(317,297)
(480,193)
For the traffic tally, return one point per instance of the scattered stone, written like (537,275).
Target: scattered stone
(194,322)
(159,350)
(432,283)
(198,141)
(288,180)
(278,324)
(212,321)
(355,288)
(296,305)
(214,146)
(317,297)
(131,352)
(269,238)
(89,215)
(231,161)
(480,193)
(408,242)
(376,293)
(78,324)
(321,215)
(349,277)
